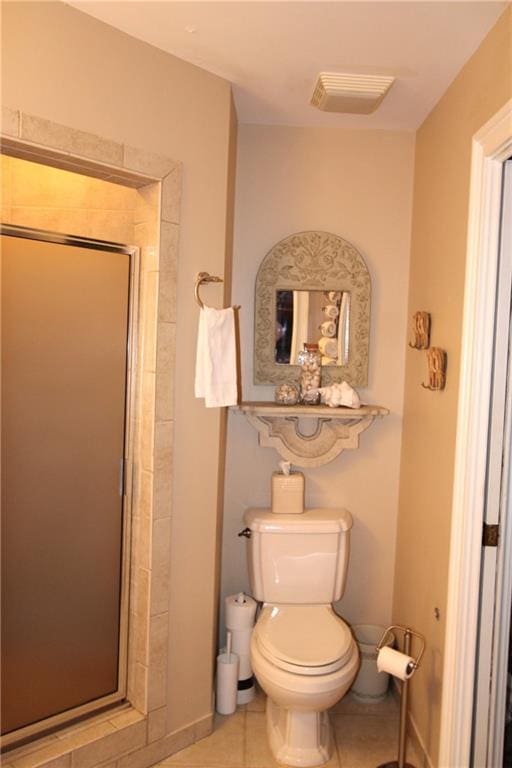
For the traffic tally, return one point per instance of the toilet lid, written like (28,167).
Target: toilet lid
(312,637)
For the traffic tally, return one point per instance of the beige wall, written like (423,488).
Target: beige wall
(441,196)
(62,65)
(357,185)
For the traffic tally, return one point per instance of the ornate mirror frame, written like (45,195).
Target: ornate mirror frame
(312,261)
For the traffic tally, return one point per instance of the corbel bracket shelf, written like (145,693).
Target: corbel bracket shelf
(337,429)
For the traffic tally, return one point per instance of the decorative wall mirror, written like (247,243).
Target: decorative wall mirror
(312,287)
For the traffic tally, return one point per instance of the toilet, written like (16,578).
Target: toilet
(303,655)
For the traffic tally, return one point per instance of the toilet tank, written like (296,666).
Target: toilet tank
(298,558)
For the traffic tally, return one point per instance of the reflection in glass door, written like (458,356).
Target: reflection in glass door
(65,325)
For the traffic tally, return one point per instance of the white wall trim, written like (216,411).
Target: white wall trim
(491,146)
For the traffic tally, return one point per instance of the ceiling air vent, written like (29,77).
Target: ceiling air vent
(360,94)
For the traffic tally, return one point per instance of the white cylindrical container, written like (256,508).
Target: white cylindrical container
(370,684)
(240,611)
(227,683)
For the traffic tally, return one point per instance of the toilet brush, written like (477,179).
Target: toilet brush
(400,665)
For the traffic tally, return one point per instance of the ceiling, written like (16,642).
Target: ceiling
(273,51)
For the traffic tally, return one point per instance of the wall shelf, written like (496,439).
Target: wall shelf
(291,431)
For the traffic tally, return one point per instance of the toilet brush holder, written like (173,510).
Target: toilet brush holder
(227,681)
(403,666)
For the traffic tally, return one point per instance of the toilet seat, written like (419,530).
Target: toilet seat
(304,640)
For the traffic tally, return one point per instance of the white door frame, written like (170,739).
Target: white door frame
(495,589)
(492,145)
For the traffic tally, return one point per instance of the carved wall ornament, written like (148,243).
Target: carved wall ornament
(312,261)
(421,330)
(437,359)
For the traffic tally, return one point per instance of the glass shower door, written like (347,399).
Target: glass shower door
(65,323)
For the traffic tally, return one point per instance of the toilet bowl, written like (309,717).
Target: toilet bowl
(305,659)
(302,653)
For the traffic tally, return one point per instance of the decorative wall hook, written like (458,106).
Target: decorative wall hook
(437,359)
(421,330)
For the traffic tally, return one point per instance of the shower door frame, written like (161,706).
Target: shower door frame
(125,481)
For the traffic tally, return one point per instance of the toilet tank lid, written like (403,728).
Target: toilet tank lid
(318,520)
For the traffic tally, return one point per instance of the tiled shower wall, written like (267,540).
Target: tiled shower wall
(42,197)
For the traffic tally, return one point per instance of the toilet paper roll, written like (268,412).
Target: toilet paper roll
(239,615)
(227,683)
(396,663)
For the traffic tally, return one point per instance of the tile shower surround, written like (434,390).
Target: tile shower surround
(135,735)
(47,198)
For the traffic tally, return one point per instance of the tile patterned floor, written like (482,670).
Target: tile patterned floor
(366,735)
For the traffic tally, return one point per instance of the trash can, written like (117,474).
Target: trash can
(370,685)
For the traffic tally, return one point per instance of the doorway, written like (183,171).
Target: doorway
(65,339)
(491,148)
(492,700)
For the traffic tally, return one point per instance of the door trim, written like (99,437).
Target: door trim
(98,705)
(491,146)
(497,670)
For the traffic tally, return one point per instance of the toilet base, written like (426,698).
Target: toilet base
(298,738)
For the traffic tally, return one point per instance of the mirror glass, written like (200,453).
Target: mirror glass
(315,317)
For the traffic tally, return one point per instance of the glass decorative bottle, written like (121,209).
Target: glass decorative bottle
(310,372)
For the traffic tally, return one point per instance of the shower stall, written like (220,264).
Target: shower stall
(67,308)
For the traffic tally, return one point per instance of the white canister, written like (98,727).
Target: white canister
(240,612)
(370,684)
(227,683)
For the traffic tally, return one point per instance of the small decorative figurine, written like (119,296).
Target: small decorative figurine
(421,330)
(287,394)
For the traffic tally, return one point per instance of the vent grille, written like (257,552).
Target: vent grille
(357,94)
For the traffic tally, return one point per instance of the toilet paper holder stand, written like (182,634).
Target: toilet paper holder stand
(408,634)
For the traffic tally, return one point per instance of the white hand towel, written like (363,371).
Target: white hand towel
(216,357)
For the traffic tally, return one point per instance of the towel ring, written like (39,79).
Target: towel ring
(204,277)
